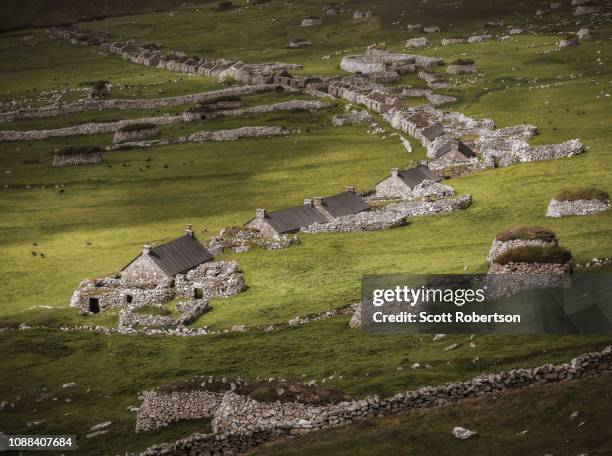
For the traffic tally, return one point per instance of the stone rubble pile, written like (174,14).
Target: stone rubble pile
(218,279)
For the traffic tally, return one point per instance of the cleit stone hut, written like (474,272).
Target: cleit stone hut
(165,261)
(400,184)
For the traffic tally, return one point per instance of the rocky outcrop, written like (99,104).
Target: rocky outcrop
(577,207)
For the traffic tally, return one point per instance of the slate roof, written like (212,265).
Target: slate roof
(179,255)
(413,177)
(462,148)
(433,131)
(345,203)
(293,218)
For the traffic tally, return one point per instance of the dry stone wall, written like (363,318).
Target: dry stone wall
(578,207)
(242,422)
(159,409)
(363,221)
(156,103)
(91,128)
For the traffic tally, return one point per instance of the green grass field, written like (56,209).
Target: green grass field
(106,212)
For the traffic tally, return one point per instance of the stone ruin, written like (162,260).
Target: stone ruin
(145,304)
(240,239)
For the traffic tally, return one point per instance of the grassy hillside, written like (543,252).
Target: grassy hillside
(91,220)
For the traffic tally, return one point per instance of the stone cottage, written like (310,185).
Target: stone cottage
(400,184)
(452,151)
(348,202)
(164,261)
(285,221)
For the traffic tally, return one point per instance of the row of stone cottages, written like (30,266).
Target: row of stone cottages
(165,261)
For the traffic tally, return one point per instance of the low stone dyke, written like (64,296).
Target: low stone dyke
(241,422)
(363,221)
(206,135)
(159,409)
(424,207)
(154,103)
(578,207)
(299,105)
(91,128)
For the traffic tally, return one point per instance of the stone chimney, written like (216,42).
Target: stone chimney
(189,231)
(350,188)
(146,249)
(394,172)
(316,202)
(260,213)
(307,202)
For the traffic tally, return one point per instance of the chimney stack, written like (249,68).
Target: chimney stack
(316,202)
(307,202)
(189,231)
(260,213)
(350,188)
(394,172)
(146,249)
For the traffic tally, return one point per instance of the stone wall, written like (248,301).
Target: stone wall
(363,221)
(159,409)
(92,128)
(218,279)
(423,207)
(359,64)
(353,117)
(241,423)
(577,207)
(60,159)
(393,187)
(242,415)
(156,103)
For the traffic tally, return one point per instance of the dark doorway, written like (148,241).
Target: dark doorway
(94,305)
(129,299)
(198,293)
